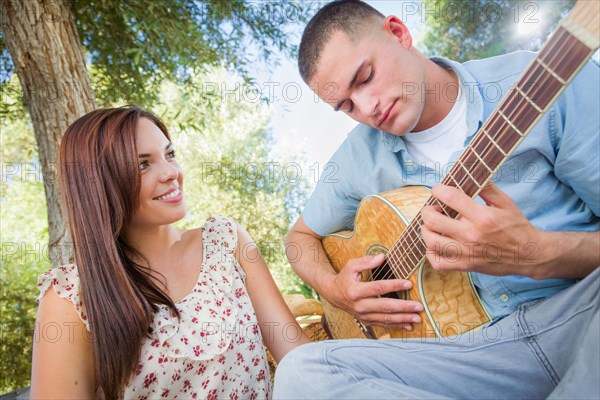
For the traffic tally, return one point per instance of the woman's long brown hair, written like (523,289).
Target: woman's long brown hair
(100,182)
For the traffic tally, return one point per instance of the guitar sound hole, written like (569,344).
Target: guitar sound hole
(384,272)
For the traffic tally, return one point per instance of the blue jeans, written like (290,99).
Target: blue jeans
(545,348)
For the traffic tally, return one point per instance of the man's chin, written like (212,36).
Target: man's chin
(398,129)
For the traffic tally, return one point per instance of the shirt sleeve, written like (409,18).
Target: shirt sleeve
(577,136)
(65,281)
(332,205)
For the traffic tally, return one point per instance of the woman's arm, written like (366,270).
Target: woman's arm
(281,333)
(62,366)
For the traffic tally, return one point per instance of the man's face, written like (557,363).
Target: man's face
(376,80)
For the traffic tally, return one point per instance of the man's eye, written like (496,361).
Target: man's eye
(369,77)
(347,107)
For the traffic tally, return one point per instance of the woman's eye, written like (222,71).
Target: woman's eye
(171,154)
(144,164)
(369,77)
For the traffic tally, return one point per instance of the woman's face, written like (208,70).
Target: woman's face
(161,193)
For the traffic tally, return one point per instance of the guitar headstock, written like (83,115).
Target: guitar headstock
(584,22)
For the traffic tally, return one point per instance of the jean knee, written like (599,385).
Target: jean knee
(307,354)
(298,369)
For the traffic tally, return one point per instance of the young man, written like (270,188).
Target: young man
(417,114)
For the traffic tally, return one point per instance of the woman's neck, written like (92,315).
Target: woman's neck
(157,243)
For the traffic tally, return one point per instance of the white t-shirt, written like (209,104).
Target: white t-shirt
(432,147)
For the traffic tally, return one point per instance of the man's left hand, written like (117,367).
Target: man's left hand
(494,238)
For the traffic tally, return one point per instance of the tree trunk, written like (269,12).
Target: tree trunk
(42,39)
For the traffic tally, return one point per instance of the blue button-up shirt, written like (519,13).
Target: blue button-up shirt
(552,176)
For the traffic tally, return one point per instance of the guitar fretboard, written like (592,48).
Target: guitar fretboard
(542,82)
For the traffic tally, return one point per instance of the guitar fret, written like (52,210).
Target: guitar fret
(405,268)
(412,235)
(494,142)
(393,257)
(413,260)
(406,263)
(508,121)
(422,246)
(481,161)
(547,68)
(392,263)
(411,253)
(414,238)
(529,100)
(403,257)
(443,206)
(402,261)
(468,173)
(449,176)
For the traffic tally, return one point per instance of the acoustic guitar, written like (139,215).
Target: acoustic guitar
(390,222)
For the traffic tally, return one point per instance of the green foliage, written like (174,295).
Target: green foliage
(23,253)
(134,45)
(465,30)
(17,316)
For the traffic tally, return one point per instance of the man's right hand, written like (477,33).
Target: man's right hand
(346,290)
(349,293)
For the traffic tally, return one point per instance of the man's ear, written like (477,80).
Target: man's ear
(396,27)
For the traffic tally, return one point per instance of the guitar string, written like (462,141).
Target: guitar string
(506,127)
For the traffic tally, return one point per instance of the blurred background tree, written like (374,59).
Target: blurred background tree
(467,30)
(62,58)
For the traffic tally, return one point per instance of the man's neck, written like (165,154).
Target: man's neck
(441,92)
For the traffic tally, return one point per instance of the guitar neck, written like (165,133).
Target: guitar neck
(563,55)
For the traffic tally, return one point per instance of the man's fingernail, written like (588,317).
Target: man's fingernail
(418,307)
(416,319)
(407,285)
(408,327)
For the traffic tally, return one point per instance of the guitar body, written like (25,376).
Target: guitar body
(452,305)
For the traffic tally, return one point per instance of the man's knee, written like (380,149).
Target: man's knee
(297,369)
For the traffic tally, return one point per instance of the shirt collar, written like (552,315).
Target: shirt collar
(474,104)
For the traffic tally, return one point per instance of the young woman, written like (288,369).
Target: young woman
(149,310)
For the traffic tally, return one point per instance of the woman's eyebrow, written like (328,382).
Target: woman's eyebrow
(145,155)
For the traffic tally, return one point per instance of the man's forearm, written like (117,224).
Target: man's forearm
(308,259)
(569,255)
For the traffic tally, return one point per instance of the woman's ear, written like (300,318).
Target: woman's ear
(396,27)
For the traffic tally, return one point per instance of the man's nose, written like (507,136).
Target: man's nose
(367,103)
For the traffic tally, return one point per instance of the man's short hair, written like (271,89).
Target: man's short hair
(348,16)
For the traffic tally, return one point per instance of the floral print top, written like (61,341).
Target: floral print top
(215,351)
